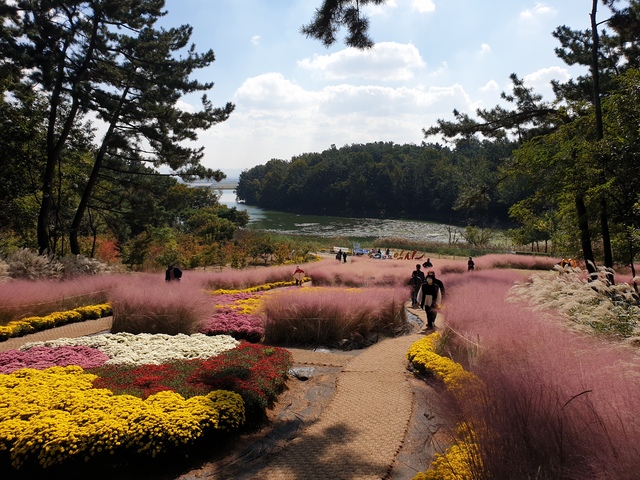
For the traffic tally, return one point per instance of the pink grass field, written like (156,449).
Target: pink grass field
(24,298)
(151,305)
(330,315)
(239,279)
(561,403)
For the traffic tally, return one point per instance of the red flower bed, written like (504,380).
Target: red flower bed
(255,372)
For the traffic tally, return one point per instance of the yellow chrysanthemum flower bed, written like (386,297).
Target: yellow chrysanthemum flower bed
(246,306)
(24,326)
(457,461)
(51,415)
(257,288)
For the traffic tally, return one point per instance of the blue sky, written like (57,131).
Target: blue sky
(295,96)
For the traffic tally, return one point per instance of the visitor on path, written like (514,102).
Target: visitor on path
(437,281)
(339,255)
(344,257)
(470,264)
(172,273)
(430,298)
(415,282)
(427,264)
(298,275)
(420,273)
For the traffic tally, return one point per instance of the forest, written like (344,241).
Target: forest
(69,188)
(430,182)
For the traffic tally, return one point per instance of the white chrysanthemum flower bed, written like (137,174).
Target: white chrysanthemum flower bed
(147,349)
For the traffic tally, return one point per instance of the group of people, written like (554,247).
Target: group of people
(341,256)
(427,292)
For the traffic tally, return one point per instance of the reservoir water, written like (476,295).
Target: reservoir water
(327,226)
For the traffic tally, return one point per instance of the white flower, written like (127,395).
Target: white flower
(148,349)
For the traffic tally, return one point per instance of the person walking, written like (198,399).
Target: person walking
(470,264)
(298,275)
(344,256)
(430,298)
(172,273)
(415,282)
(418,271)
(437,281)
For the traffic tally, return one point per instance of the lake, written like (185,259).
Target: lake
(327,226)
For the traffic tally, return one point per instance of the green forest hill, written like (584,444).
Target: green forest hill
(428,182)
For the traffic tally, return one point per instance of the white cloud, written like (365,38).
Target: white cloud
(284,119)
(185,107)
(387,61)
(423,6)
(541,78)
(272,91)
(374,10)
(538,10)
(485,49)
(490,86)
(255,40)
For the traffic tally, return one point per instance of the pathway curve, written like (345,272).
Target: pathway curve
(362,429)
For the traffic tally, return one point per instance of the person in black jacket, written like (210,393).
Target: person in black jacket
(172,273)
(430,298)
(415,282)
(419,273)
(470,264)
(437,281)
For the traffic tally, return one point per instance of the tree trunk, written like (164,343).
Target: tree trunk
(585,235)
(595,73)
(93,178)
(54,147)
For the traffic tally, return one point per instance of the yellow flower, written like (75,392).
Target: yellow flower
(53,414)
(458,461)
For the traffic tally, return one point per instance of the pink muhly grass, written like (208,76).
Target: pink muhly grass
(245,278)
(27,298)
(558,404)
(327,316)
(524,262)
(45,357)
(238,325)
(361,272)
(151,305)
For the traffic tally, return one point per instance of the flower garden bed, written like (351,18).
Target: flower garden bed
(25,326)
(122,407)
(457,460)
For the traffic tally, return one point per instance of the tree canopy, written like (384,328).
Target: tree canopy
(67,62)
(66,66)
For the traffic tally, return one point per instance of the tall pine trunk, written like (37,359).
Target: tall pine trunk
(585,234)
(595,72)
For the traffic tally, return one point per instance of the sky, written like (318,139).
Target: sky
(295,96)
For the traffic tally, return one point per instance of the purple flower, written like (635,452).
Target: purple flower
(45,357)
